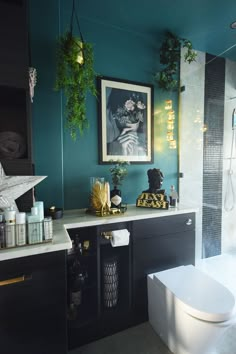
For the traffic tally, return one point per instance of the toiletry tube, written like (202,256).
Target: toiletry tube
(35,229)
(40,206)
(10,224)
(47,228)
(20,229)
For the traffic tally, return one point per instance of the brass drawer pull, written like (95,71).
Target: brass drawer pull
(189,222)
(15,280)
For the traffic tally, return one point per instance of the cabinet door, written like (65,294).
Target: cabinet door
(13,44)
(33,309)
(154,250)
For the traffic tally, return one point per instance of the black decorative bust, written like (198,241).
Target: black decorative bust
(155,180)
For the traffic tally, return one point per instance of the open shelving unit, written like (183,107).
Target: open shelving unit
(15,105)
(92,319)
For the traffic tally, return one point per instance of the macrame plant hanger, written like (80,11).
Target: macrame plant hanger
(80,44)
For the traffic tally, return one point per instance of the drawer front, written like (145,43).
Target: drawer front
(33,304)
(163,225)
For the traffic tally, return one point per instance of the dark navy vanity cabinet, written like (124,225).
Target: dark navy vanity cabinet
(33,304)
(159,244)
(156,243)
(56,301)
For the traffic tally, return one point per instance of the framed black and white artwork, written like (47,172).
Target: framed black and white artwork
(125,121)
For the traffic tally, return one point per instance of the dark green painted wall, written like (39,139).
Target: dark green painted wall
(119,54)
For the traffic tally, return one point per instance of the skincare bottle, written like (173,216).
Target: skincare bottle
(35,227)
(47,227)
(20,229)
(10,227)
(2,233)
(40,207)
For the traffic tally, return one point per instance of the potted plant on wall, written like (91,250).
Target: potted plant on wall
(76,76)
(118,173)
(170,53)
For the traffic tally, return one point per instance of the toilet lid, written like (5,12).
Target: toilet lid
(199,294)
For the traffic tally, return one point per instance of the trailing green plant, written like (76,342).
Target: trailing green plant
(170,53)
(118,172)
(75,74)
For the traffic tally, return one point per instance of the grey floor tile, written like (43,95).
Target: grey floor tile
(136,340)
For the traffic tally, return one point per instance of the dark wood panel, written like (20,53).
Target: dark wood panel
(33,312)
(169,244)
(155,244)
(163,225)
(13,44)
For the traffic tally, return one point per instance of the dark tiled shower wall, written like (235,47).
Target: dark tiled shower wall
(213,155)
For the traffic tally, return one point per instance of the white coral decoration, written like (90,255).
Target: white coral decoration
(32,81)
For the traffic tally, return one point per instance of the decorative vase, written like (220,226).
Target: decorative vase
(116,198)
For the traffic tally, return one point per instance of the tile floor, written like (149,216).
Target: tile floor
(136,340)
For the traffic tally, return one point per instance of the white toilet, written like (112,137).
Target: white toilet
(189,310)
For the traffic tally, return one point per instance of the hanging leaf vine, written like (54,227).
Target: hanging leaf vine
(76,76)
(170,53)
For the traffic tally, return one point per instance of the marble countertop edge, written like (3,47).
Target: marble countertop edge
(79,218)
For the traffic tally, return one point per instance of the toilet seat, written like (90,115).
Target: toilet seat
(200,295)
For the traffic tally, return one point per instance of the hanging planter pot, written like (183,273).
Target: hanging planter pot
(76,76)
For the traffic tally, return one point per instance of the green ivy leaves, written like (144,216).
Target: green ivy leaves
(170,52)
(75,75)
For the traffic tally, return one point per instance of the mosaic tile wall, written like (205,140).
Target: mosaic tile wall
(213,155)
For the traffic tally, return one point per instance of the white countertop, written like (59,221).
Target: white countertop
(79,218)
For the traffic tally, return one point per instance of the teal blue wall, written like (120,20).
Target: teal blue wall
(119,54)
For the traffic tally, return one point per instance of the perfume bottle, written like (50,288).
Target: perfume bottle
(173,197)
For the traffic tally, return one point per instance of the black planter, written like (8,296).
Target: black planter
(115,198)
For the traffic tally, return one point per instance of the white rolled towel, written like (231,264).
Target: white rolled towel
(120,238)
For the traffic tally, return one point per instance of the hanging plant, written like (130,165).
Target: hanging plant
(170,53)
(76,76)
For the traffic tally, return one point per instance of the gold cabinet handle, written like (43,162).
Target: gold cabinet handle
(15,280)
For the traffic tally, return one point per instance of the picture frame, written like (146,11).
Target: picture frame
(125,112)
